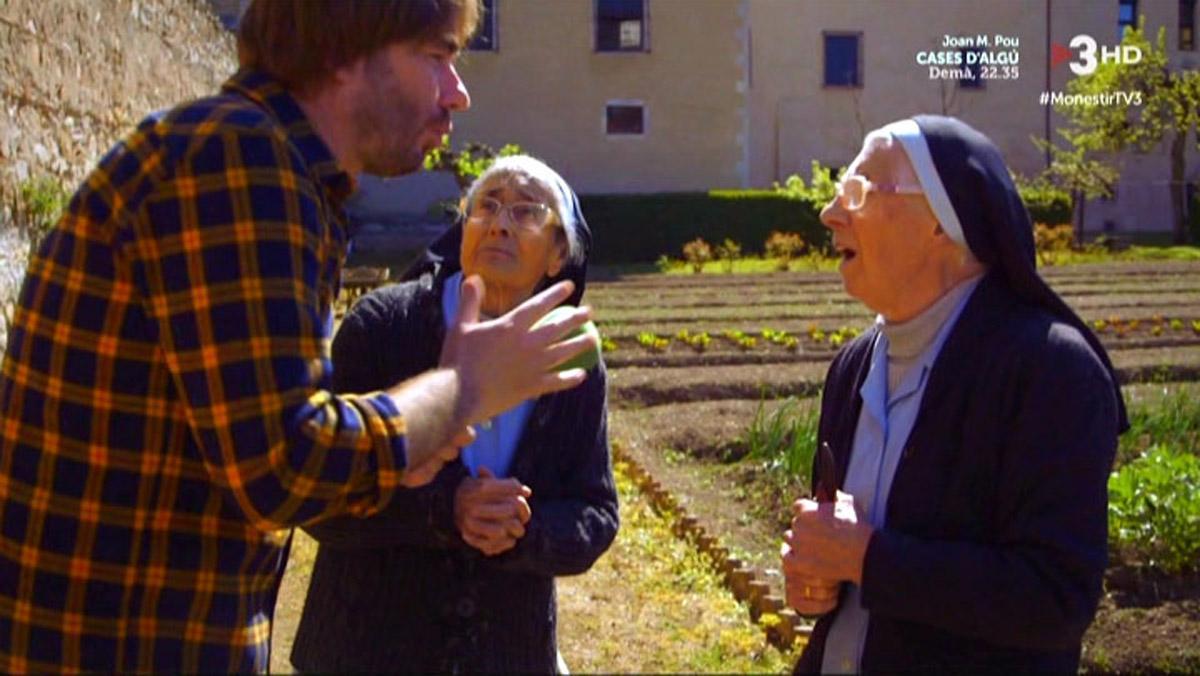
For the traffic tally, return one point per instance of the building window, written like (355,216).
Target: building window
(971,64)
(843,59)
(1126,16)
(485,37)
(621,26)
(1187,25)
(625,118)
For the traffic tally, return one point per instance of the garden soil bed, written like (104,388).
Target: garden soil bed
(1147,621)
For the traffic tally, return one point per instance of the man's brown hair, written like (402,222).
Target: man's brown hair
(302,42)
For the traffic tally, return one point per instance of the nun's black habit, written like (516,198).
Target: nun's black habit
(994,547)
(401,591)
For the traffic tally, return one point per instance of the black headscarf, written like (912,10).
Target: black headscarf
(442,257)
(995,223)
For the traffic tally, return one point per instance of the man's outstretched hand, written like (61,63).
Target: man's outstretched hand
(503,361)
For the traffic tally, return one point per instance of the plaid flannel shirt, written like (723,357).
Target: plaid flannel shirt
(166,402)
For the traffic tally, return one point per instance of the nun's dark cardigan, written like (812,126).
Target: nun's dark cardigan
(995,544)
(401,591)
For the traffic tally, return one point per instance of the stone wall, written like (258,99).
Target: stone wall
(77,75)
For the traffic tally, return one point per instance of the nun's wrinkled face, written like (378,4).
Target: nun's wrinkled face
(888,241)
(512,239)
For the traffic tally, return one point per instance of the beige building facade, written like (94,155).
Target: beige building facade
(681,95)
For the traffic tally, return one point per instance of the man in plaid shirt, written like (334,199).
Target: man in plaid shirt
(165,394)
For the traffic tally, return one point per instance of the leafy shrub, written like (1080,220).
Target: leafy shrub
(783,247)
(1046,202)
(1052,241)
(728,252)
(1154,509)
(786,438)
(469,162)
(41,201)
(818,192)
(697,252)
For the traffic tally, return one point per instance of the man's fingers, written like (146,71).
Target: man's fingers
(470,300)
(561,325)
(561,352)
(525,314)
(557,381)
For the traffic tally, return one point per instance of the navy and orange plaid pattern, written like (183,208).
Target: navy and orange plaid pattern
(166,411)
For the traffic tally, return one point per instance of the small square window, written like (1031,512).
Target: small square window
(971,64)
(485,38)
(1187,25)
(1126,16)
(621,26)
(625,119)
(843,60)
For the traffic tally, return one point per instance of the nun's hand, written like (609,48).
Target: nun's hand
(811,596)
(503,361)
(828,540)
(491,513)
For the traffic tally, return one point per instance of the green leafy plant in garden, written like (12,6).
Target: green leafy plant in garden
(783,247)
(1052,241)
(652,342)
(697,252)
(1154,509)
(607,344)
(820,189)
(697,341)
(785,438)
(782,338)
(728,252)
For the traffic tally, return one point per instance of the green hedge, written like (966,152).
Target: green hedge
(1049,206)
(640,228)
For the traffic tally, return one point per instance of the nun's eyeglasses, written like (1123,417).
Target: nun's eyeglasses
(526,215)
(852,191)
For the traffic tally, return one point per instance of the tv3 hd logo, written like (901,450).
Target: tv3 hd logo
(1091,54)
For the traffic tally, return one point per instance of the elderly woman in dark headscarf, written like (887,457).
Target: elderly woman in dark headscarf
(971,430)
(459,575)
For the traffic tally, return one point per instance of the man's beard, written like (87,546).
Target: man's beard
(390,128)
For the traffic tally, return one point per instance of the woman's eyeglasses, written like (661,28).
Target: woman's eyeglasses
(852,191)
(527,215)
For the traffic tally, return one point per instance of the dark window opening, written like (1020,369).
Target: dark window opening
(1126,16)
(621,26)
(970,63)
(625,119)
(1187,25)
(842,60)
(485,38)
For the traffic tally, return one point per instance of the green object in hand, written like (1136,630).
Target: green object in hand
(584,360)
